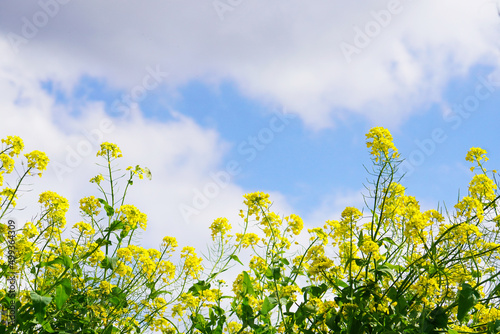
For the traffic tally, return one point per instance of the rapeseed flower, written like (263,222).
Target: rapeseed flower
(381,143)
(481,186)
(16,144)
(247,239)
(192,263)
(97,179)
(89,205)
(56,207)
(220,226)
(131,216)
(10,195)
(84,228)
(38,160)
(476,154)
(7,163)
(109,149)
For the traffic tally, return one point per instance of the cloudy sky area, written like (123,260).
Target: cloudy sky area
(276,95)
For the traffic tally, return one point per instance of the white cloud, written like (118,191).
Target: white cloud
(280,52)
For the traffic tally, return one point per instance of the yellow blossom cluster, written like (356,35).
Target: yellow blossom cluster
(220,226)
(90,205)
(55,207)
(381,143)
(192,263)
(109,150)
(131,216)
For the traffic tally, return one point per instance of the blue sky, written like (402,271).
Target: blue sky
(268,87)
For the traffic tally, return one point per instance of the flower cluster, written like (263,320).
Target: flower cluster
(131,216)
(109,150)
(15,143)
(220,226)
(90,206)
(38,160)
(55,206)
(381,144)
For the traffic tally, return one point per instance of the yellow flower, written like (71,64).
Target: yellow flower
(476,154)
(381,143)
(233,327)
(350,215)
(192,263)
(84,228)
(97,256)
(295,223)
(10,195)
(97,179)
(166,267)
(220,226)
(320,233)
(131,216)
(56,207)
(16,143)
(482,186)
(30,230)
(140,172)
(247,239)
(38,160)
(256,202)
(123,270)
(106,287)
(89,205)
(169,242)
(258,264)
(468,205)
(7,163)
(369,246)
(109,149)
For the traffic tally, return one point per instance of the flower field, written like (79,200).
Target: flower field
(395,269)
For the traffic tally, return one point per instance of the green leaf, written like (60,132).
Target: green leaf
(268,305)
(386,239)
(109,263)
(494,327)
(247,285)
(341,283)
(437,319)
(199,286)
(63,291)
(39,304)
(103,242)
(109,210)
(68,263)
(27,256)
(118,298)
(467,298)
(115,225)
(235,258)
(394,267)
(273,273)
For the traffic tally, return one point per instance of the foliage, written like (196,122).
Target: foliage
(391,269)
